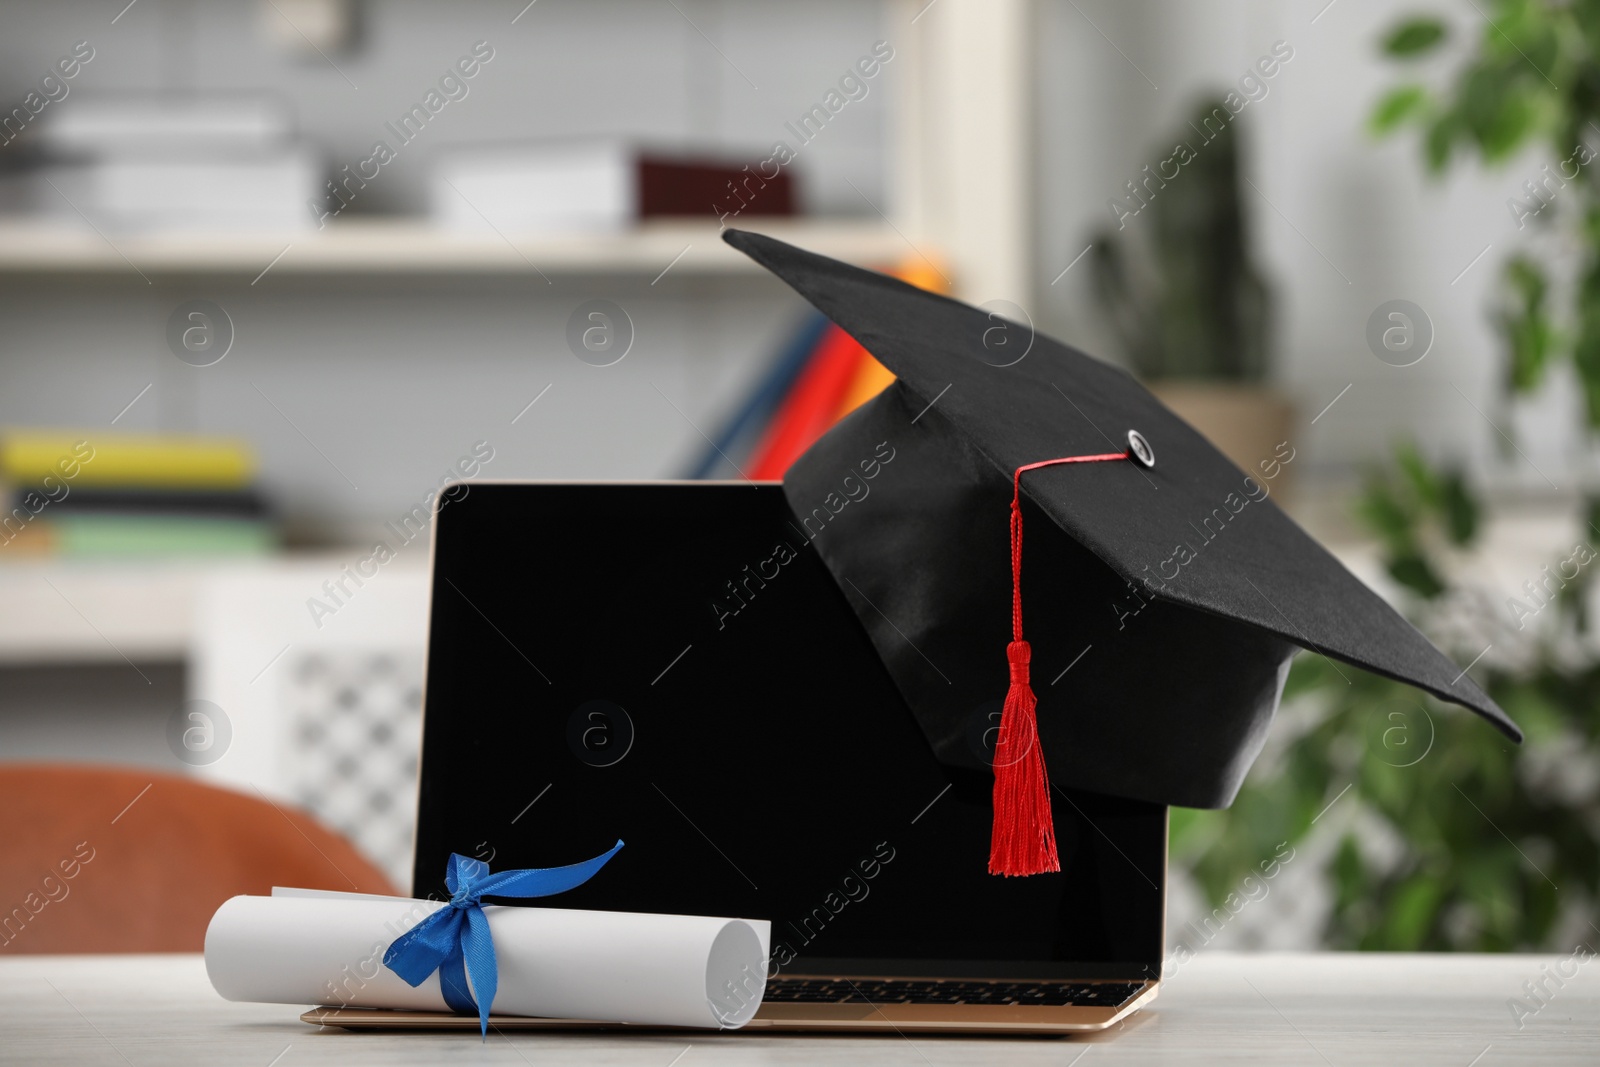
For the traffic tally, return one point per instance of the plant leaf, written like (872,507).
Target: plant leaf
(1414,37)
(1440,142)
(1385,516)
(1411,912)
(1397,106)
(1424,482)
(1527,327)
(1460,509)
(1413,571)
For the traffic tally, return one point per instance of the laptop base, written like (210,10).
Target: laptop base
(969,1019)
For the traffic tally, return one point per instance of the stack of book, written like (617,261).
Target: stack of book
(599,186)
(96,495)
(176,163)
(819,376)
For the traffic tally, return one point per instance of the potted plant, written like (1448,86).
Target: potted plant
(1191,311)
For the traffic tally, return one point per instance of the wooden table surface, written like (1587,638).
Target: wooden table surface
(1328,1009)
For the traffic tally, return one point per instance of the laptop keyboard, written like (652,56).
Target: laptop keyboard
(878,991)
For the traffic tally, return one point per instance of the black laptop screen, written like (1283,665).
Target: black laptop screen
(673,666)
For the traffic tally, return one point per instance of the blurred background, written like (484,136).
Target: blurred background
(274,270)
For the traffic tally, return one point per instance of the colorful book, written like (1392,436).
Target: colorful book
(820,378)
(98,500)
(92,458)
(156,535)
(752,417)
(811,406)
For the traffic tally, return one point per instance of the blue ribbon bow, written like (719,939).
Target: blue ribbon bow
(455,940)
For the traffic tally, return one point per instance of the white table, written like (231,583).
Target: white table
(1332,1009)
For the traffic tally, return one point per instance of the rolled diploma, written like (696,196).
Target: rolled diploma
(603,966)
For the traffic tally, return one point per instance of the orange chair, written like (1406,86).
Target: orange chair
(99,859)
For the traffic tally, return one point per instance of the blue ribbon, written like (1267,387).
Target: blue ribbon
(455,940)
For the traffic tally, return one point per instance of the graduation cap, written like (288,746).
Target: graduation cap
(1164,591)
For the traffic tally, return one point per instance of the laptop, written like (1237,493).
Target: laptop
(671,664)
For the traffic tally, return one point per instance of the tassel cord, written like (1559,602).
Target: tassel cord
(1023,840)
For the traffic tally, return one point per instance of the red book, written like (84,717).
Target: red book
(811,406)
(705,187)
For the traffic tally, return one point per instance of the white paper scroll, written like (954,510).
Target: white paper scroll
(299,947)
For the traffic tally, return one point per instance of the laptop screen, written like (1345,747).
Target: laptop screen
(673,665)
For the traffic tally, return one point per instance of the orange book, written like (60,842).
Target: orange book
(869,379)
(872,377)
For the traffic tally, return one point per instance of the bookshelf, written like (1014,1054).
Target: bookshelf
(388,247)
(959,155)
(65,612)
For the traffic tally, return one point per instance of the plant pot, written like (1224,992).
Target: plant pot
(1247,423)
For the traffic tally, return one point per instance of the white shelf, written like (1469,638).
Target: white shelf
(394,247)
(63,613)
(105,611)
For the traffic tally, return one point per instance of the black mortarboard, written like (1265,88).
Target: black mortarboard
(1164,600)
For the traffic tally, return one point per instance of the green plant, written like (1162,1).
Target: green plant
(1179,288)
(1481,834)
(1448,836)
(1531,76)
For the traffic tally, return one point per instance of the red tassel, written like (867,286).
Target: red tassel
(1023,840)
(1024,837)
